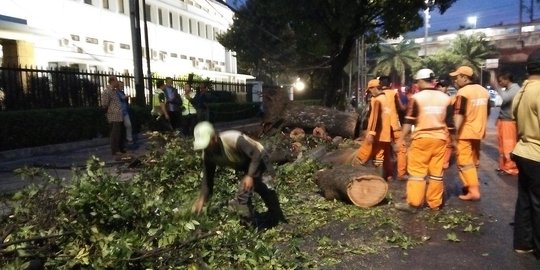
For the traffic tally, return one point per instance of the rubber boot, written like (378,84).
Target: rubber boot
(473,194)
(275,214)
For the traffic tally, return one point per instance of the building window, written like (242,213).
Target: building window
(148,10)
(174,55)
(160,16)
(171,24)
(208,32)
(106,4)
(124,46)
(199,29)
(89,2)
(183,56)
(190,26)
(92,40)
(75,37)
(121,8)
(181,23)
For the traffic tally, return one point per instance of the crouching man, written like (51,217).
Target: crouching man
(238,151)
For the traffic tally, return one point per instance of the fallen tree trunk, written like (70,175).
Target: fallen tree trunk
(359,185)
(336,123)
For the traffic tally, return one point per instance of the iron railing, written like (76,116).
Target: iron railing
(24,88)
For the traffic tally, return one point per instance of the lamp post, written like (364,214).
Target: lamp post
(426,24)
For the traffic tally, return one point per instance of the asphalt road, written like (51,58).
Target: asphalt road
(492,249)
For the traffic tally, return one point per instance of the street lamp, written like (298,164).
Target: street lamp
(472,21)
(298,85)
(426,24)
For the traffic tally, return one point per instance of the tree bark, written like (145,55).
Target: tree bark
(359,185)
(336,123)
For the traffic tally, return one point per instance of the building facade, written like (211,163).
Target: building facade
(96,35)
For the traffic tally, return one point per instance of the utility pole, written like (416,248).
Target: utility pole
(137,51)
(147,48)
(520,38)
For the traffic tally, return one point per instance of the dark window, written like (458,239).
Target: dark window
(160,16)
(124,46)
(89,2)
(181,23)
(183,56)
(171,24)
(174,55)
(106,4)
(147,10)
(75,37)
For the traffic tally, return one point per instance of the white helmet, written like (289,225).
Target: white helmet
(424,74)
(202,133)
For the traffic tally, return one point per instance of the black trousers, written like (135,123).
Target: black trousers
(527,215)
(118,133)
(188,124)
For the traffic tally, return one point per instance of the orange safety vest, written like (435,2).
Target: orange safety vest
(379,119)
(472,102)
(427,111)
(391,99)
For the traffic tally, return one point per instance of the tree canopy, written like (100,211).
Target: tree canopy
(308,37)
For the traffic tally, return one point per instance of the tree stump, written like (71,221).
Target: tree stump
(359,185)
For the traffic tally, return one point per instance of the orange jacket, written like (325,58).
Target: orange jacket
(428,112)
(379,119)
(392,101)
(472,102)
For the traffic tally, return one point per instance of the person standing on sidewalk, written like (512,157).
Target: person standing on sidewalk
(427,110)
(125,112)
(506,126)
(526,154)
(113,107)
(395,106)
(173,103)
(470,118)
(376,144)
(238,151)
(189,113)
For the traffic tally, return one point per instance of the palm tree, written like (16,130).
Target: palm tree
(473,50)
(396,60)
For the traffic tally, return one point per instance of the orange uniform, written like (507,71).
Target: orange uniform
(379,127)
(401,154)
(451,130)
(472,104)
(427,110)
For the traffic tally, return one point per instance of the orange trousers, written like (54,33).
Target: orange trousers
(426,157)
(376,151)
(448,153)
(507,137)
(401,154)
(467,157)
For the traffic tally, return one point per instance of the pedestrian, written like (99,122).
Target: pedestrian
(189,113)
(376,144)
(125,112)
(201,101)
(113,107)
(442,85)
(526,154)
(173,103)
(427,110)
(506,125)
(470,120)
(238,151)
(395,106)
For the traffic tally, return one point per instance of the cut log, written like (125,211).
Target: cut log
(336,123)
(359,185)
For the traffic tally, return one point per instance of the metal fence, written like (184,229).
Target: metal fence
(24,88)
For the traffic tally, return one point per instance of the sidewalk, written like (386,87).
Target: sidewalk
(58,159)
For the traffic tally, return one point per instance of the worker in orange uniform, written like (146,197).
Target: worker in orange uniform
(427,110)
(395,106)
(442,85)
(376,144)
(470,118)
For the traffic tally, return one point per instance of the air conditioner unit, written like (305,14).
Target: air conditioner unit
(154,54)
(108,47)
(211,65)
(64,42)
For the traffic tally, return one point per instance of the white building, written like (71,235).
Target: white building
(96,35)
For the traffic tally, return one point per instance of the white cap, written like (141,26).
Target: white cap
(202,133)
(424,73)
